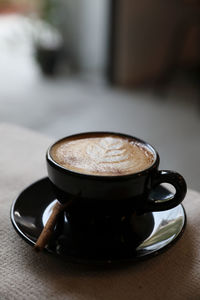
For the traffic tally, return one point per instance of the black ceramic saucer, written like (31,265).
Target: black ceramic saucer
(142,237)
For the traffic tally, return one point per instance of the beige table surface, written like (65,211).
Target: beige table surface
(25,274)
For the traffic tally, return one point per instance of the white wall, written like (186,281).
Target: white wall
(85,27)
(93,34)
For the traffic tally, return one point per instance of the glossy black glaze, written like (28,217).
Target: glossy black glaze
(132,239)
(115,194)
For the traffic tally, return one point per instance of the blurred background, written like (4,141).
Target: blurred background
(69,66)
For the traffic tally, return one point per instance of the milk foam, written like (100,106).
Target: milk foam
(109,155)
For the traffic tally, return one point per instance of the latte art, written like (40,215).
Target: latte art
(107,150)
(103,155)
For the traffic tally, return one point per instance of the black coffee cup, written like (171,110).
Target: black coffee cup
(118,195)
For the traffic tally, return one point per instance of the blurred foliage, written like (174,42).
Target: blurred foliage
(48,13)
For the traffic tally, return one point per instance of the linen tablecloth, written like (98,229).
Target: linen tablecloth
(25,274)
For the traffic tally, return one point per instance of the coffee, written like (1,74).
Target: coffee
(102,154)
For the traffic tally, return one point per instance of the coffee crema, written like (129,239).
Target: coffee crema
(102,154)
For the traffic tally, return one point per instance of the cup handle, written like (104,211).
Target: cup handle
(179,184)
